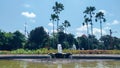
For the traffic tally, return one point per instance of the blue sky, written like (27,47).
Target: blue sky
(14,14)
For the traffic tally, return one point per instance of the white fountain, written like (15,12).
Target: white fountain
(60,54)
(74,47)
(59,47)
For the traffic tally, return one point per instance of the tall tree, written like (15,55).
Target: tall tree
(70,40)
(61,28)
(57,9)
(86,20)
(83,43)
(89,12)
(11,41)
(107,41)
(66,24)
(1,38)
(18,40)
(100,16)
(54,17)
(93,42)
(37,38)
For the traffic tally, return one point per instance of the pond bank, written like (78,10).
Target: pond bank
(74,56)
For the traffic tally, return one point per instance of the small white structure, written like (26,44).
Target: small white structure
(59,47)
(74,47)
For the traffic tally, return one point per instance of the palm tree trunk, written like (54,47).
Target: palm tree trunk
(87,35)
(91,28)
(57,30)
(87,29)
(53,33)
(91,23)
(65,35)
(57,25)
(101,27)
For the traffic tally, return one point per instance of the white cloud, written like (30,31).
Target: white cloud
(46,30)
(27,5)
(107,28)
(54,31)
(106,12)
(97,31)
(79,34)
(28,14)
(115,22)
(83,28)
(50,24)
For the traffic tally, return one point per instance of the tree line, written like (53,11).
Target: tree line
(39,38)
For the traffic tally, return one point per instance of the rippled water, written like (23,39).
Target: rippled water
(59,63)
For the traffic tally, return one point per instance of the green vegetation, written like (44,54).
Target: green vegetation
(46,51)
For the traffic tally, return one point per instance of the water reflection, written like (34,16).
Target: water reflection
(59,66)
(76,65)
(80,64)
(23,64)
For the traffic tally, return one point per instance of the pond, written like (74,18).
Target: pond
(60,63)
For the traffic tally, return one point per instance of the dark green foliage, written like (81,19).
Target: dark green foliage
(67,40)
(93,42)
(37,38)
(70,40)
(11,41)
(61,37)
(61,28)
(110,42)
(106,40)
(58,7)
(18,40)
(84,42)
(66,24)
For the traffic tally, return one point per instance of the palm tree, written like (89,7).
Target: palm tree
(100,16)
(61,28)
(53,18)
(66,24)
(89,12)
(86,20)
(57,9)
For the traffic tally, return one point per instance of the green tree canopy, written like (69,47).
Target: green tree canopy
(37,38)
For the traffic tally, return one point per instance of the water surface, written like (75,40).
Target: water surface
(59,64)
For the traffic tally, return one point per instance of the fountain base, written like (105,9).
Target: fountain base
(60,55)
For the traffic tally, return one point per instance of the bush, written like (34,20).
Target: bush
(46,51)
